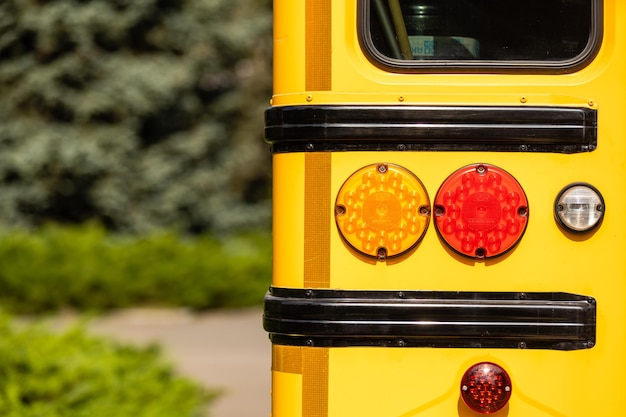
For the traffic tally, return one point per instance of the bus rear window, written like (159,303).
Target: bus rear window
(557,34)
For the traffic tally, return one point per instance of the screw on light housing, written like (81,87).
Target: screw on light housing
(486,388)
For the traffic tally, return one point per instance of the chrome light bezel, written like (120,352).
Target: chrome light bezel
(579,208)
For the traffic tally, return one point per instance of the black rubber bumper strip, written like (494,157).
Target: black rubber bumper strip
(435,128)
(337,318)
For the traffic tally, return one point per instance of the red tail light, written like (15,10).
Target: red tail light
(481,211)
(486,388)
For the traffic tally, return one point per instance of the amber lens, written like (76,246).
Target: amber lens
(382,210)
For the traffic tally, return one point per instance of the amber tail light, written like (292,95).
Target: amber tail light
(382,211)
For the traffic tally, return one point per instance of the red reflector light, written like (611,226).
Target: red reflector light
(486,388)
(481,211)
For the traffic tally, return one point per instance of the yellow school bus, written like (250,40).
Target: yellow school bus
(449,177)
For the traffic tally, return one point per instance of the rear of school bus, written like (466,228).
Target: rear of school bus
(449,222)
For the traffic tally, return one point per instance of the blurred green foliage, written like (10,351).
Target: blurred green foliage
(140,114)
(73,374)
(85,268)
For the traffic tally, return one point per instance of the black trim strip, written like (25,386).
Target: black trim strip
(335,318)
(437,128)
(483,66)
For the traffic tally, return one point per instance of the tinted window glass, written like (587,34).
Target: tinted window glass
(482,31)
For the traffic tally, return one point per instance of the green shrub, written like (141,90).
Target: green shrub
(72,374)
(142,114)
(88,269)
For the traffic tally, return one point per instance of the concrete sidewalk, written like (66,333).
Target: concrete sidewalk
(228,350)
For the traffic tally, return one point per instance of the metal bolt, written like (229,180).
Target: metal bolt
(382,168)
(340,210)
(401,98)
(523,99)
(480,169)
(522,211)
(309,98)
(310,146)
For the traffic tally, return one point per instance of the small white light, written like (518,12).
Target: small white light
(579,208)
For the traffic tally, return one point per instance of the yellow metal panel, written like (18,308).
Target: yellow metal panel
(357,80)
(286,394)
(431,266)
(289,46)
(288,222)
(386,382)
(398,382)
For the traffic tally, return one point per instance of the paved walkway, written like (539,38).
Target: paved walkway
(224,349)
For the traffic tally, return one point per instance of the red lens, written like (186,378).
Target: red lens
(486,388)
(481,211)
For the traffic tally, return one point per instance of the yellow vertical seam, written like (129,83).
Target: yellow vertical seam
(317,217)
(318,45)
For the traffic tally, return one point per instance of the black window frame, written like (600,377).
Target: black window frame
(468,66)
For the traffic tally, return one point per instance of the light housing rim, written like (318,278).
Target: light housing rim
(563,224)
(382,253)
(483,255)
(508,389)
